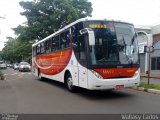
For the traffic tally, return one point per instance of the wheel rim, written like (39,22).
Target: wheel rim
(69,83)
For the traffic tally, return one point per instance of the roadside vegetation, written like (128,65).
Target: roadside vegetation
(44,17)
(1,75)
(149,86)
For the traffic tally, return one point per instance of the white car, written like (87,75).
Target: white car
(24,66)
(2,65)
(15,66)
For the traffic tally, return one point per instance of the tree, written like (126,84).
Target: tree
(16,50)
(44,17)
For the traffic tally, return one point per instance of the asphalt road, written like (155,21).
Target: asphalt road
(22,92)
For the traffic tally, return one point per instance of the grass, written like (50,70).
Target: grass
(150,86)
(1,75)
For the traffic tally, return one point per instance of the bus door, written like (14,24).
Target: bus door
(82,64)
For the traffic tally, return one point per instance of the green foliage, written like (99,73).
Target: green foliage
(150,86)
(47,16)
(16,50)
(44,17)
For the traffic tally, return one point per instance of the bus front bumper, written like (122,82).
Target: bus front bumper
(95,83)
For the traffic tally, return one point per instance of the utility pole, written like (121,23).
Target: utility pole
(149,50)
(146,40)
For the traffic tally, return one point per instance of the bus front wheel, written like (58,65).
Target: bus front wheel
(69,83)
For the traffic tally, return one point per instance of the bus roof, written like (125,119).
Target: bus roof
(75,22)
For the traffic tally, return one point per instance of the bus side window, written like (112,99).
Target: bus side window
(53,49)
(48,46)
(75,31)
(75,38)
(34,51)
(62,41)
(65,40)
(38,49)
(82,49)
(57,41)
(42,48)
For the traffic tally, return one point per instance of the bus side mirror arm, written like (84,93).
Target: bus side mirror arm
(91,35)
(91,38)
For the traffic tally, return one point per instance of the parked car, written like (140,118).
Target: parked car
(9,65)
(3,65)
(24,66)
(15,66)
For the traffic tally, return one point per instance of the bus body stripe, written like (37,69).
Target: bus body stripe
(54,63)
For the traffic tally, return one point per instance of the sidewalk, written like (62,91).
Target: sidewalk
(156,76)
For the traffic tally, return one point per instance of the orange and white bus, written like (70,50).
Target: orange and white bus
(89,53)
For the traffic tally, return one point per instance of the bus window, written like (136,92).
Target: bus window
(82,49)
(42,48)
(55,44)
(48,46)
(34,51)
(65,40)
(38,49)
(75,31)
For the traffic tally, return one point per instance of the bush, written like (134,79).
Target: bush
(1,75)
(150,86)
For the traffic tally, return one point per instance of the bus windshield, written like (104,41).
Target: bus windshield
(115,43)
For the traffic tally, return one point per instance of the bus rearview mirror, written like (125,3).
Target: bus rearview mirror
(90,35)
(91,38)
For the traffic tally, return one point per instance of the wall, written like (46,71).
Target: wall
(156,53)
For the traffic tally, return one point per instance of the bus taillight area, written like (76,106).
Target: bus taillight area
(95,83)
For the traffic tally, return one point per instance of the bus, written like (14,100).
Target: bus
(89,53)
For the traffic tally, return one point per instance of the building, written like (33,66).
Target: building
(155,56)
(149,35)
(142,41)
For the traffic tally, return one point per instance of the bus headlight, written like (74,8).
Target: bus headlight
(96,74)
(136,73)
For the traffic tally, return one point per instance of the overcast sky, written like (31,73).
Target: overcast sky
(138,12)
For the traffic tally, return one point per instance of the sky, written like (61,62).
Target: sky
(138,12)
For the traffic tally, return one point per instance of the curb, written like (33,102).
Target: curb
(147,90)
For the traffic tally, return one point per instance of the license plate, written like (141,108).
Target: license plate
(119,86)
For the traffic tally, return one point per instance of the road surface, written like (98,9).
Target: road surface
(22,92)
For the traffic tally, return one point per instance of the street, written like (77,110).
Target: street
(22,92)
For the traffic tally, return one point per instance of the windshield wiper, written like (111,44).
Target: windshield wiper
(133,39)
(129,60)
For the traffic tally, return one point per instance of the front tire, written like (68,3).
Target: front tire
(69,83)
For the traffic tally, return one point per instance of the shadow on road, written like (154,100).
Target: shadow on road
(92,94)
(103,95)
(54,83)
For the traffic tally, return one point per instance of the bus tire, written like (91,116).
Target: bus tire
(69,83)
